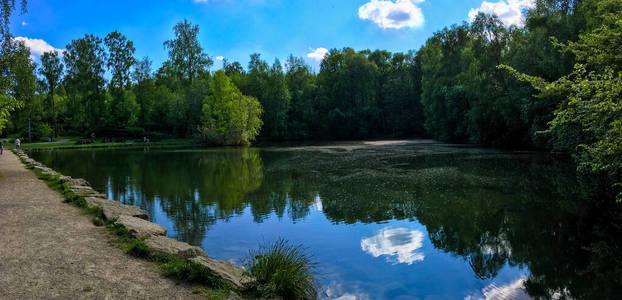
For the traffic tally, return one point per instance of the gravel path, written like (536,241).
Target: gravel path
(49,250)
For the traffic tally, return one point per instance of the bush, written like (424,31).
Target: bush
(282,269)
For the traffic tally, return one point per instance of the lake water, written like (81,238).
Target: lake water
(414,220)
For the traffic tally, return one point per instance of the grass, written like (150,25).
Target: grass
(180,269)
(71,144)
(282,269)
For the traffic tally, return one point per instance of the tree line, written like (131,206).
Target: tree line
(552,84)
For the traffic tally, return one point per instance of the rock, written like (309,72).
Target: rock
(233,296)
(139,228)
(225,270)
(171,246)
(114,209)
(85,191)
(93,201)
(45,170)
(74,181)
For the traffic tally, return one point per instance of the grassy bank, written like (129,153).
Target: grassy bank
(72,144)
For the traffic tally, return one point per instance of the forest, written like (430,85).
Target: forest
(553,84)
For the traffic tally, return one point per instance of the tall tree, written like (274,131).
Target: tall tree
(123,107)
(6,10)
(85,84)
(275,99)
(120,58)
(52,70)
(144,89)
(186,57)
(23,85)
(302,90)
(7,102)
(187,72)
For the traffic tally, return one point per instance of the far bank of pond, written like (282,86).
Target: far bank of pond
(409,219)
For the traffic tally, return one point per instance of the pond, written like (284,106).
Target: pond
(397,220)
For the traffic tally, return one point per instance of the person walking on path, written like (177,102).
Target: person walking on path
(1,147)
(18,144)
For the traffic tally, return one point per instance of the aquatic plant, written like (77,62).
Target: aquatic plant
(282,269)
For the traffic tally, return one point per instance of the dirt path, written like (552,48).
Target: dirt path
(48,249)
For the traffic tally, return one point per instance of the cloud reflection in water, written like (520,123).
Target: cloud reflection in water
(400,244)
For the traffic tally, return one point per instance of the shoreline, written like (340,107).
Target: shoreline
(139,237)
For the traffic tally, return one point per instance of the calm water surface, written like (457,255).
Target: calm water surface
(421,220)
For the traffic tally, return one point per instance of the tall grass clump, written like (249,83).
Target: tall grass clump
(282,269)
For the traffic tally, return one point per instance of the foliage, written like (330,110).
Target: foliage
(282,269)
(85,84)
(589,121)
(229,118)
(52,70)
(6,9)
(187,60)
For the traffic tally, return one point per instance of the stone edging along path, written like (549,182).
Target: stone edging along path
(137,223)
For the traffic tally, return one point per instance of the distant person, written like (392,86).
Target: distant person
(1,147)
(49,139)
(18,144)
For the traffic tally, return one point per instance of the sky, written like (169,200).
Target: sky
(234,29)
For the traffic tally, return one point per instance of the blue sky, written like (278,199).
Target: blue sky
(236,28)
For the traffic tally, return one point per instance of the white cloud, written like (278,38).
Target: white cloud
(24,23)
(37,46)
(509,12)
(399,242)
(389,14)
(220,57)
(317,54)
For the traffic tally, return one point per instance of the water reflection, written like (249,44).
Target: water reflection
(400,244)
(514,290)
(489,211)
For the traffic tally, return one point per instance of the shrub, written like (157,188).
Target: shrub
(282,269)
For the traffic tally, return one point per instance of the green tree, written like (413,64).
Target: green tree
(52,70)
(238,75)
(144,88)
(22,88)
(443,96)
(187,64)
(589,121)
(85,84)
(186,57)
(275,100)
(7,102)
(302,86)
(347,95)
(229,118)
(122,105)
